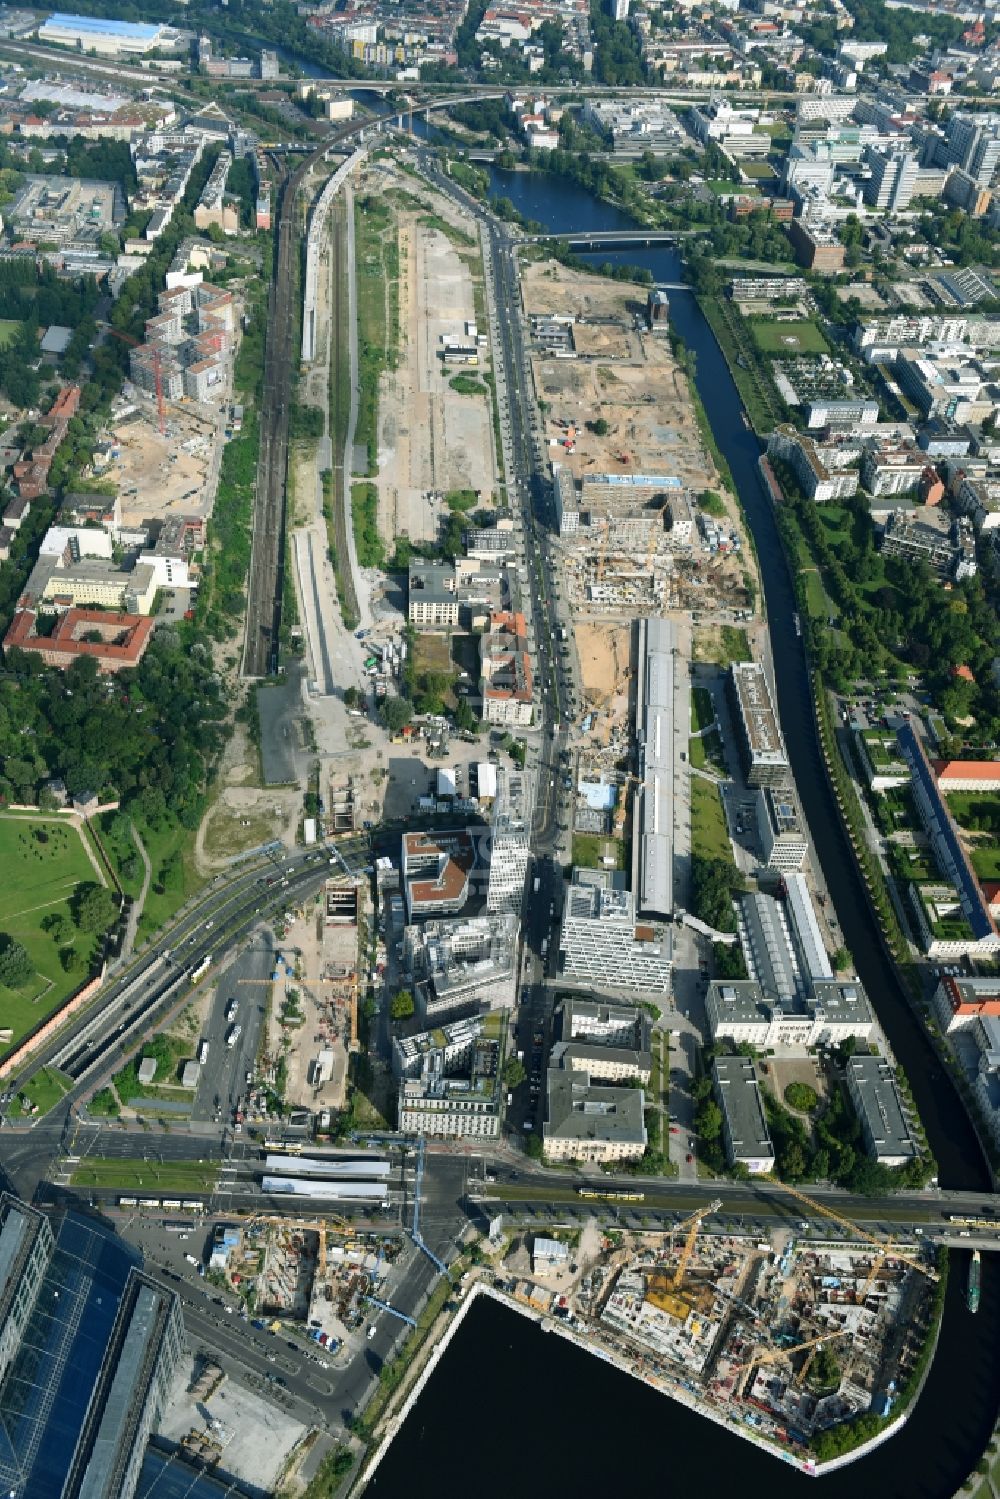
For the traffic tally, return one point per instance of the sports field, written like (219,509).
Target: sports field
(799,336)
(43,862)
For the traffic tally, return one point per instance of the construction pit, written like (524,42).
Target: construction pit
(160,474)
(313,1018)
(785,1336)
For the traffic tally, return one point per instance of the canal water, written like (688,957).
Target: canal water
(513,1409)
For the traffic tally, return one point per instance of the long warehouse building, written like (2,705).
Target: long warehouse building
(342,1191)
(304,1165)
(662,698)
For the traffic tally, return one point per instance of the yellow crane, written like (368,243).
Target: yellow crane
(853,1228)
(775,1355)
(318,1226)
(693,1226)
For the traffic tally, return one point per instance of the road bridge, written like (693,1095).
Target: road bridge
(611,239)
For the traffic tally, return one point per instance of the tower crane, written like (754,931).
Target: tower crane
(693,1226)
(775,1355)
(888,1248)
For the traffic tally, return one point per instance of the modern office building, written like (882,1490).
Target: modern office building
(510,841)
(780,829)
(25,1251)
(603,945)
(89,1348)
(435,872)
(761,746)
(450,1084)
(828,1013)
(585,1121)
(972,142)
(608,1041)
(744,1127)
(461,967)
(875,1095)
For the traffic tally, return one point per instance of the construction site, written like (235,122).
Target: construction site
(163,473)
(313,1018)
(318,1276)
(785,1336)
(630,468)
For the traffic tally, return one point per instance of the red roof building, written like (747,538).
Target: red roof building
(121,638)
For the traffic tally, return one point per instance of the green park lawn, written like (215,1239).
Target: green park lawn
(786,339)
(8,331)
(39,880)
(44,1091)
(709,837)
(591,849)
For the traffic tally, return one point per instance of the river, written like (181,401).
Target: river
(503,1410)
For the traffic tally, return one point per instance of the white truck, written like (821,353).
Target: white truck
(203,1052)
(233,1035)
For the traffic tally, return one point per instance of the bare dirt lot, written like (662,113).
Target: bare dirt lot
(431,436)
(629,379)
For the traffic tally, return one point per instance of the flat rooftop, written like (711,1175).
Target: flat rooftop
(757,712)
(579,1110)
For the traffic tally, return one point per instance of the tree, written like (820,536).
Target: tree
(16,966)
(841,960)
(58,927)
(514,1072)
(396,713)
(352,697)
(708,1120)
(401,1006)
(599,427)
(800,1096)
(94,908)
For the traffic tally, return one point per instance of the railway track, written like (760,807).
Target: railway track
(267,557)
(260,652)
(340,410)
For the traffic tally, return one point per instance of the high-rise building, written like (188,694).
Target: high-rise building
(88,1347)
(893,179)
(510,834)
(973,143)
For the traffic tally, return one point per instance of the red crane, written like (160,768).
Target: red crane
(138,343)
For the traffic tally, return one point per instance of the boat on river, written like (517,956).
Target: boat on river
(972,1289)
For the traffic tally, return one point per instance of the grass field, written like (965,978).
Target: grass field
(800,336)
(44,862)
(708,825)
(8,331)
(591,849)
(171,855)
(986,862)
(150,1177)
(44,1090)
